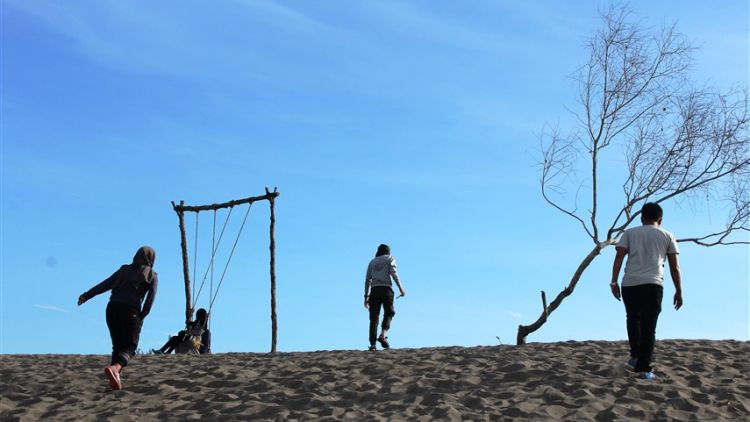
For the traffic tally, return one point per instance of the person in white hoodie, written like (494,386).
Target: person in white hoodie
(378,293)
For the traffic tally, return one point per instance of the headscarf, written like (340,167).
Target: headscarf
(144,261)
(201,315)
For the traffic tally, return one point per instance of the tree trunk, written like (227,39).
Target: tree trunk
(525,330)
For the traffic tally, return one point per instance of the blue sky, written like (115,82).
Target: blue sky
(410,123)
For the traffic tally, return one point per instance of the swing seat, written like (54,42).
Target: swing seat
(190,343)
(189,346)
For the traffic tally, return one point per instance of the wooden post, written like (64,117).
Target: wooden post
(272,247)
(185,262)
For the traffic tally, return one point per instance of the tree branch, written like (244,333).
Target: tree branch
(679,141)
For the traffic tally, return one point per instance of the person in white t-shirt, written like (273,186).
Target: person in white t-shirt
(647,247)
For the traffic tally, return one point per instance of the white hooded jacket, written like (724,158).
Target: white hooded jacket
(379,273)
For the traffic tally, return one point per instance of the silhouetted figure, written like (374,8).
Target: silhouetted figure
(127,309)
(378,292)
(195,339)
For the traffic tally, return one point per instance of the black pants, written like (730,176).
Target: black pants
(642,308)
(172,343)
(380,296)
(124,322)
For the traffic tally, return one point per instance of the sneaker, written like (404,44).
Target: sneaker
(384,342)
(114,377)
(647,375)
(372,347)
(157,351)
(632,362)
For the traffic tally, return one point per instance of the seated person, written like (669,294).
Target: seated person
(195,339)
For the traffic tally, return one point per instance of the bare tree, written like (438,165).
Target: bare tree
(670,141)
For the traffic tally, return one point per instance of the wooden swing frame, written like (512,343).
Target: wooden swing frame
(181,209)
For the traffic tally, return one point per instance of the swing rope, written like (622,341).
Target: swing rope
(211,262)
(231,253)
(195,255)
(213,247)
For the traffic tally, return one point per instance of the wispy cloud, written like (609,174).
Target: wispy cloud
(416,22)
(122,35)
(51,308)
(515,315)
(286,16)
(157,39)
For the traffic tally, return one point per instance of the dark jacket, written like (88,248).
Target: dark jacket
(205,342)
(128,287)
(132,283)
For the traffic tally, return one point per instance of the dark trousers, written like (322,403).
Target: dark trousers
(380,297)
(173,342)
(642,308)
(124,322)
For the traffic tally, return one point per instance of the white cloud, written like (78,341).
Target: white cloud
(153,38)
(51,308)
(285,16)
(515,315)
(421,23)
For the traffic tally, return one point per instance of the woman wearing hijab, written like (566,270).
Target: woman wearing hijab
(127,309)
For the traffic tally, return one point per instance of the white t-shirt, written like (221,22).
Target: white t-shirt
(648,247)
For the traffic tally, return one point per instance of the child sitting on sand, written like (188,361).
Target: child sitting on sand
(127,309)
(196,339)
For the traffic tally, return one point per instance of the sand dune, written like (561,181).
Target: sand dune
(698,380)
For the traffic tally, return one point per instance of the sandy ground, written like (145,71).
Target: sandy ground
(697,380)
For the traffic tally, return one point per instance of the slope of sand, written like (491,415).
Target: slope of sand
(698,380)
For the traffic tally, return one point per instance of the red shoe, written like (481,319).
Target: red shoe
(114,377)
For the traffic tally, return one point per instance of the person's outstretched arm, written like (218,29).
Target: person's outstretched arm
(99,288)
(368,282)
(616,266)
(150,296)
(394,276)
(674,271)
